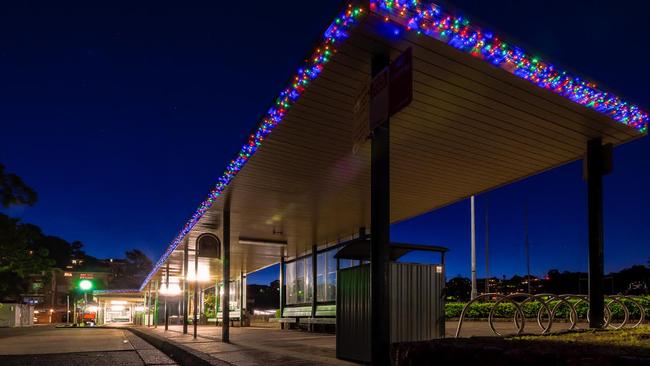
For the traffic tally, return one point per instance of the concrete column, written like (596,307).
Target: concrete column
(380,238)
(598,162)
(225,329)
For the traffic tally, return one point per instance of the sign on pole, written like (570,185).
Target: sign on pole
(401,82)
(392,89)
(379,99)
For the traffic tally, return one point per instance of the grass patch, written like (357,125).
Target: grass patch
(631,338)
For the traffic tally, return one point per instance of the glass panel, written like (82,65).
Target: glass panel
(300,281)
(290,277)
(331,275)
(234,295)
(321,272)
(309,281)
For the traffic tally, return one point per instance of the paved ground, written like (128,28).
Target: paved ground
(258,346)
(272,346)
(47,345)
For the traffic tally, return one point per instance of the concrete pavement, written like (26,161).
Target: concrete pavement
(47,345)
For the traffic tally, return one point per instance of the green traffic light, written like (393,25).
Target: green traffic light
(85,285)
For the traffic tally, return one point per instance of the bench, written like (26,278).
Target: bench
(318,321)
(301,315)
(235,316)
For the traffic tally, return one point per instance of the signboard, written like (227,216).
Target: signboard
(401,82)
(391,89)
(379,98)
(88,276)
(361,113)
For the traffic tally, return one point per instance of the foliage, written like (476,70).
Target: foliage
(133,272)
(479,310)
(209,304)
(13,191)
(20,256)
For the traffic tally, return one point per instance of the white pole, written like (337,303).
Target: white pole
(474,293)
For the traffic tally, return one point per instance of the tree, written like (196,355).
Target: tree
(20,256)
(133,272)
(459,288)
(13,191)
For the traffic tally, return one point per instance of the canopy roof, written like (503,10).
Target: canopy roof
(484,114)
(359,249)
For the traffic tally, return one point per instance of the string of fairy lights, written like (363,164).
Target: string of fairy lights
(429,19)
(313,66)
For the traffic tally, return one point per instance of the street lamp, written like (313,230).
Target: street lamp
(85,285)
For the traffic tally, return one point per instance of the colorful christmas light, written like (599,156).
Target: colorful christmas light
(429,19)
(313,66)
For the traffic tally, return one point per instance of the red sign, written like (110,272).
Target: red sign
(401,82)
(88,276)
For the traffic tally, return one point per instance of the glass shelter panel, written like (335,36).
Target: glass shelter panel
(290,277)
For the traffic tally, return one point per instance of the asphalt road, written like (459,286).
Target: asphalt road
(47,345)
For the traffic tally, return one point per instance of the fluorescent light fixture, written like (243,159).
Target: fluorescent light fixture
(117,307)
(203,274)
(260,242)
(118,302)
(174,289)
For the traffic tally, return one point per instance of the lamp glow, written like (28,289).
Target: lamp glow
(85,285)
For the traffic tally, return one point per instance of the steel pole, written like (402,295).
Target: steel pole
(225,329)
(155,304)
(473,248)
(594,175)
(282,287)
(380,238)
(166,296)
(185,286)
(195,319)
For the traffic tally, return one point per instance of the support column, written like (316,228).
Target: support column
(144,305)
(155,305)
(185,286)
(597,163)
(225,329)
(216,303)
(314,274)
(282,288)
(380,238)
(148,306)
(166,296)
(195,318)
(242,299)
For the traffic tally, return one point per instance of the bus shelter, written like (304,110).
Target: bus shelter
(401,108)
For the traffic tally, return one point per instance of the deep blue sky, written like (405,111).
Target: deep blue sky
(122,116)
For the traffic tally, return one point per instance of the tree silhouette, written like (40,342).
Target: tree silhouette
(13,191)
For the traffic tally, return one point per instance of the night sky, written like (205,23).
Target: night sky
(123,115)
